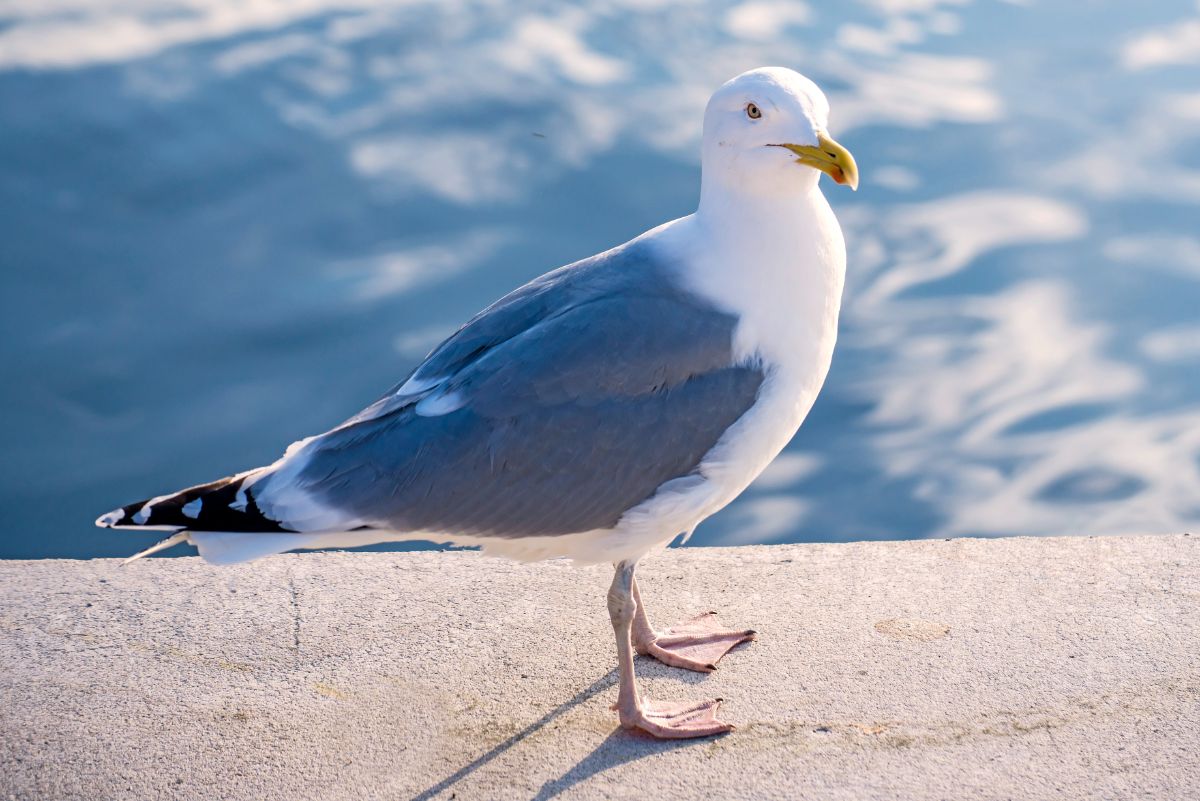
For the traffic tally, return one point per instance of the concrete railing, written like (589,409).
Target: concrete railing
(1016,668)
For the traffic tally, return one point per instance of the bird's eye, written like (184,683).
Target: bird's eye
(752,111)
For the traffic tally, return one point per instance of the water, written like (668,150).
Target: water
(224,226)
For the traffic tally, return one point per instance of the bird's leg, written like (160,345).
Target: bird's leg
(658,719)
(697,644)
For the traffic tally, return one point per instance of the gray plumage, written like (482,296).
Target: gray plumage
(571,400)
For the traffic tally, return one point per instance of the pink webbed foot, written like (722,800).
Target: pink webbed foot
(674,721)
(696,645)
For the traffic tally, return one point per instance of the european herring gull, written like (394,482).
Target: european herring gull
(600,410)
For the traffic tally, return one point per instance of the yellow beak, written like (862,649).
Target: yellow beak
(829,157)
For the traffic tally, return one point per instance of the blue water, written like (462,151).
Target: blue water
(227,226)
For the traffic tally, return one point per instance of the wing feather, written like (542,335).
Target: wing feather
(574,399)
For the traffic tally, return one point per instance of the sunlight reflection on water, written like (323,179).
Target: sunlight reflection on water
(228,225)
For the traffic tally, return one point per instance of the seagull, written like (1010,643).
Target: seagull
(598,412)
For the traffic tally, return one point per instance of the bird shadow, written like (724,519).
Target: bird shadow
(618,748)
(601,684)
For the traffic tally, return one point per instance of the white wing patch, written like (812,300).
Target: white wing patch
(415,386)
(440,403)
(110,519)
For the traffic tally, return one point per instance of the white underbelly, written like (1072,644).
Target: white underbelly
(757,438)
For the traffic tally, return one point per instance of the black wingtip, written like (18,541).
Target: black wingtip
(215,506)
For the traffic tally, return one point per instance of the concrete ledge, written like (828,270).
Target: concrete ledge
(1018,668)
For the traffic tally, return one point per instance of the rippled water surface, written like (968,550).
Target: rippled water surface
(227,225)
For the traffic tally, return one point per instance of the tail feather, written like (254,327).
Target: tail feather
(223,505)
(169,542)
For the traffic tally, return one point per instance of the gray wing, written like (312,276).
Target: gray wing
(555,411)
(627,270)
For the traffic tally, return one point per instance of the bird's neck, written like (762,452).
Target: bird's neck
(771,234)
(724,195)
(778,261)
(787,241)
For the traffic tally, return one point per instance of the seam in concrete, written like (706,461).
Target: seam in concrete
(295,600)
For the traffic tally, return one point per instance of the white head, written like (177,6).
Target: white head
(759,126)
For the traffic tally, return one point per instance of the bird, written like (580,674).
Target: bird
(598,412)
